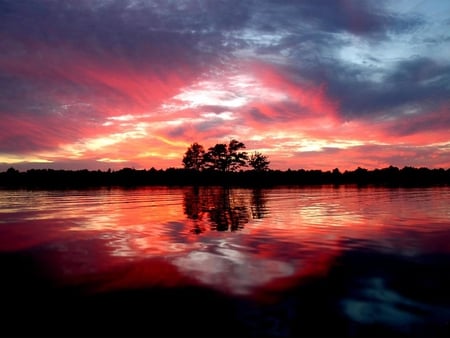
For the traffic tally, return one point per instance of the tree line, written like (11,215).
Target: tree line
(223,157)
(129,177)
(223,165)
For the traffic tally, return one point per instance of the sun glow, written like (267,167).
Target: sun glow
(111,160)
(13,159)
(210,97)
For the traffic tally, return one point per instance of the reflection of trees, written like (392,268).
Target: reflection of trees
(258,205)
(226,209)
(228,212)
(194,208)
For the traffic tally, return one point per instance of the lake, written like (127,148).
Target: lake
(212,261)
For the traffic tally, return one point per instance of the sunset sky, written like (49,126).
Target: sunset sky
(103,84)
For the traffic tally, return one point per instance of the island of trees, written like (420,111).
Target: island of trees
(223,157)
(223,164)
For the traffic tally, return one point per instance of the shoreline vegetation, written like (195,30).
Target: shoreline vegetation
(225,164)
(130,177)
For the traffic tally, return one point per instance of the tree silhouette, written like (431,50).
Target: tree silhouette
(259,162)
(225,157)
(216,158)
(237,159)
(194,157)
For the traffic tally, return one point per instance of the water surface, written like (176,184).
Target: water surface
(364,260)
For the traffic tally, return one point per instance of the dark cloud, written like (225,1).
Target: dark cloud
(21,144)
(373,91)
(420,70)
(361,18)
(49,95)
(177,132)
(436,121)
(283,112)
(24,133)
(216,109)
(45,44)
(257,115)
(311,37)
(356,17)
(138,30)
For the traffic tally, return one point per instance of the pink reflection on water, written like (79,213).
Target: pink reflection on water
(242,241)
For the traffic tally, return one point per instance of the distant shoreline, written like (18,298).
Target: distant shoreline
(128,177)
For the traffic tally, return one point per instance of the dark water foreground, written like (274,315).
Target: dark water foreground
(285,262)
(363,294)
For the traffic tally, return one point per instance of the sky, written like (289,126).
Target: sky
(320,84)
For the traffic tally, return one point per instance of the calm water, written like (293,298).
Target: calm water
(360,259)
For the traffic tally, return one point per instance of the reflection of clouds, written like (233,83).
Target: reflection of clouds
(288,233)
(327,214)
(233,270)
(375,303)
(118,243)
(96,223)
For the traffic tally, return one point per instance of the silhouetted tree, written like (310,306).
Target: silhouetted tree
(12,171)
(216,158)
(225,157)
(237,159)
(194,157)
(259,162)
